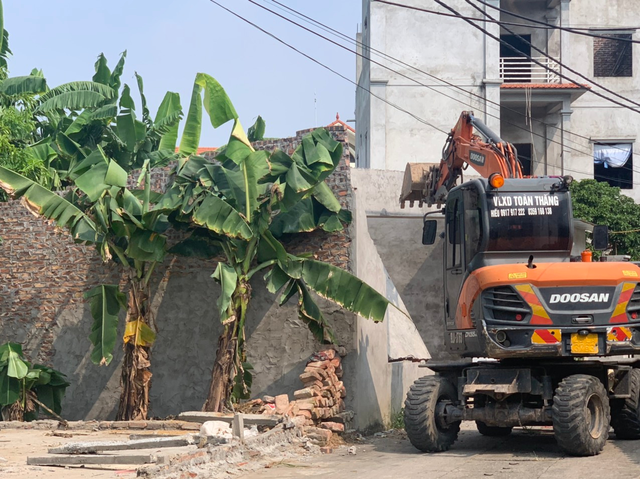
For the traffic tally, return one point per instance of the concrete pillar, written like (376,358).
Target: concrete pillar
(554,142)
(566,166)
(492,79)
(565,37)
(376,141)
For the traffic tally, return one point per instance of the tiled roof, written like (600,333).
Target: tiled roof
(544,86)
(203,149)
(339,122)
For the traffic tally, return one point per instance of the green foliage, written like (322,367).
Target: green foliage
(21,382)
(16,128)
(397,420)
(601,204)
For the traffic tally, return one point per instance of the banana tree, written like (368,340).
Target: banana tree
(105,153)
(238,207)
(26,387)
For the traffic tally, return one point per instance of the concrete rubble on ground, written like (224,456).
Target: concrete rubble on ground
(205,440)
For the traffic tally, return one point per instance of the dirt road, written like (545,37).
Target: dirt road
(531,454)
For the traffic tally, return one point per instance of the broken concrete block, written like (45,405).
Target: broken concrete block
(216,428)
(332,426)
(269,399)
(282,403)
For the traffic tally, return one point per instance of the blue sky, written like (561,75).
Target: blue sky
(168,42)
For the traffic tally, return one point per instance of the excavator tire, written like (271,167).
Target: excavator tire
(625,414)
(426,431)
(492,431)
(581,415)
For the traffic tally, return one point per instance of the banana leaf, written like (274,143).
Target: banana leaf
(105,300)
(47,203)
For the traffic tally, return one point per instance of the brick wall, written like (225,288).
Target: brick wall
(612,57)
(43,276)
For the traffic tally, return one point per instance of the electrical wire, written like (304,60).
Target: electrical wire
(413,79)
(421,120)
(546,25)
(561,75)
(309,57)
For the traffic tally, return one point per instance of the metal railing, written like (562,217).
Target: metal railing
(523,70)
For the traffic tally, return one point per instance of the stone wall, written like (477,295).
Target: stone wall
(43,275)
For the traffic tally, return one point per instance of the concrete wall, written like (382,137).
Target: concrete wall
(381,384)
(414,269)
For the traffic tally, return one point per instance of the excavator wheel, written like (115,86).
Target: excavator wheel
(625,414)
(492,431)
(581,415)
(423,414)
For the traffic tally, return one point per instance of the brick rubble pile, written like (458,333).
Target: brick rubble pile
(319,404)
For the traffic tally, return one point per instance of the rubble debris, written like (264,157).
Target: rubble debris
(215,428)
(351,450)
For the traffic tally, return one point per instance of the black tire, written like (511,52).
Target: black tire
(625,413)
(581,415)
(425,430)
(493,431)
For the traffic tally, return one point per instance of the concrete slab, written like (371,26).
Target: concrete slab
(102,446)
(93,459)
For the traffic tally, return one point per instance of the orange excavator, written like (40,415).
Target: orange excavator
(540,337)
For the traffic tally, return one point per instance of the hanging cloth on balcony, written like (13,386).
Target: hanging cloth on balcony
(612,155)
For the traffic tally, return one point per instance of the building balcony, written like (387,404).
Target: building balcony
(523,70)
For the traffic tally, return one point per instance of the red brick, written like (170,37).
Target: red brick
(332,426)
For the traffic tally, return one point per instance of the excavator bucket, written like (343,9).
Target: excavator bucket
(414,183)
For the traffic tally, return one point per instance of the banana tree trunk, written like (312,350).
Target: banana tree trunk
(229,352)
(224,370)
(136,369)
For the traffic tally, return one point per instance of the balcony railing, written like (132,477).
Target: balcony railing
(523,70)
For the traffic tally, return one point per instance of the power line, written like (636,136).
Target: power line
(421,120)
(546,25)
(413,79)
(561,75)
(349,80)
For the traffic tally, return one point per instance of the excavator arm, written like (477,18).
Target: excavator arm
(430,184)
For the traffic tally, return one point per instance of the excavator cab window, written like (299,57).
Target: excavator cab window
(473,233)
(454,234)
